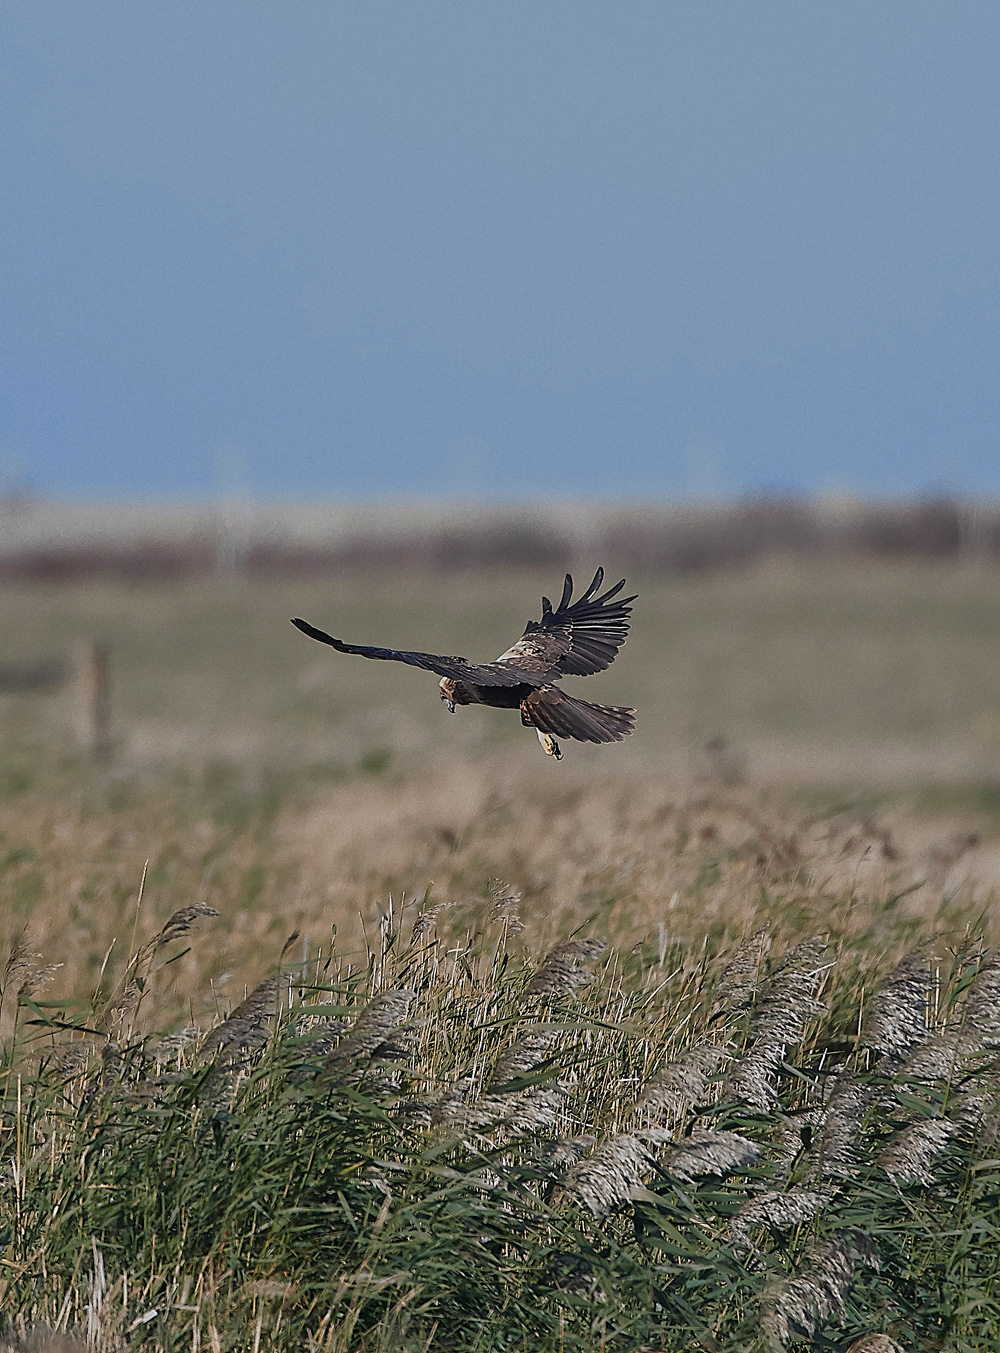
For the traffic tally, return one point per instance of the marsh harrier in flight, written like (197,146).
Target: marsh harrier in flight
(572,640)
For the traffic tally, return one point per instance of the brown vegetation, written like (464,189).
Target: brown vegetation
(650,538)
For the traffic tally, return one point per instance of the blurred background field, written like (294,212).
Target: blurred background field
(814,736)
(868,674)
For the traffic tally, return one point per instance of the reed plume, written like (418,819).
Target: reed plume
(908,1158)
(373,1029)
(605,1179)
(839,1124)
(532,1109)
(795,1306)
(778,1210)
(523,1055)
(974,1029)
(562,1152)
(895,1022)
(23,975)
(779,1021)
(74,1058)
(707,1152)
(168,1046)
(244,1029)
(427,920)
(678,1085)
(876,1343)
(528,1110)
(741,976)
(793,1138)
(447,1108)
(561,974)
(504,906)
(119,1010)
(982,1003)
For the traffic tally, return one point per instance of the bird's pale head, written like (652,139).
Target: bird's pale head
(451,693)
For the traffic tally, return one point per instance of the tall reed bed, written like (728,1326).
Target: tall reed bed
(455,1143)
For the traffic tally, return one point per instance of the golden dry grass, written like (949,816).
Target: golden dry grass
(292,788)
(650,867)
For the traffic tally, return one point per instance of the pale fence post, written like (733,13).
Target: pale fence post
(92,678)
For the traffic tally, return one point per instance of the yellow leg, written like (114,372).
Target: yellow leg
(552,747)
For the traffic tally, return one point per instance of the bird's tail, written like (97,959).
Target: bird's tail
(552,711)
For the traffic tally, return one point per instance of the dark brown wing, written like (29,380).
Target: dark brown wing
(540,651)
(575,640)
(492,674)
(551,710)
(572,640)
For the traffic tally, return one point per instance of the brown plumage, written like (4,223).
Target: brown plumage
(571,640)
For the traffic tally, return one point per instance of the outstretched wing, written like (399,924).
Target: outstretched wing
(578,639)
(571,640)
(493,674)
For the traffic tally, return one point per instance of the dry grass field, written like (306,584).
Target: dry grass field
(818,750)
(799,655)
(295,787)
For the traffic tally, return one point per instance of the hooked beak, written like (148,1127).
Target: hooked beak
(450,704)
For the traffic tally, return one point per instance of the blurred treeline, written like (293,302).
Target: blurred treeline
(61,543)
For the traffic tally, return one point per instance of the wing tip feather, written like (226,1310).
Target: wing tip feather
(596,582)
(312,632)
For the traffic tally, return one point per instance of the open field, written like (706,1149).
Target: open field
(296,788)
(818,749)
(805,659)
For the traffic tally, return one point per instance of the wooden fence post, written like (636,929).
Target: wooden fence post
(93,698)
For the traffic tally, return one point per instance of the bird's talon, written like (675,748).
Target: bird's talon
(550,745)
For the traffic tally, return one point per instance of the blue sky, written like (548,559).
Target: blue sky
(571,249)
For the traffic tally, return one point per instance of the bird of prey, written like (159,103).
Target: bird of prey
(572,640)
